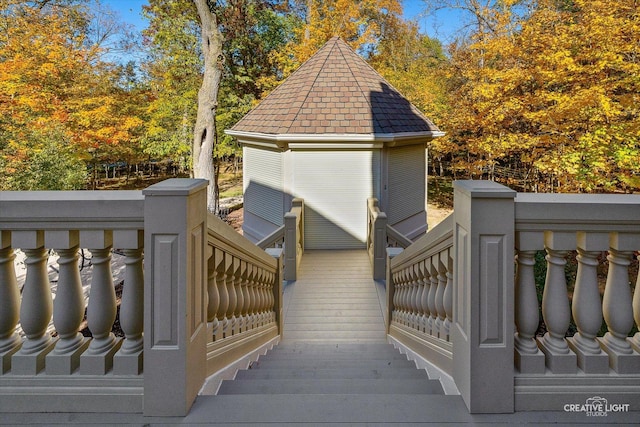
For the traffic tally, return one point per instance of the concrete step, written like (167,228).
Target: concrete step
(330,373)
(335,335)
(333,364)
(331,386)
(324,348)
(337,409)
(310,356)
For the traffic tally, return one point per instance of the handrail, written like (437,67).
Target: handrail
(400,239)
(274,238)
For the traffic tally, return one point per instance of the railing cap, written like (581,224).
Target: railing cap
(176,187)
(484,189)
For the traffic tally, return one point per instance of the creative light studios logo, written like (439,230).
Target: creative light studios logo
(596,407)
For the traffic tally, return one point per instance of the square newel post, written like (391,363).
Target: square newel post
(379,246)
(483,296)
(290,246)
(278,289)
(175,298)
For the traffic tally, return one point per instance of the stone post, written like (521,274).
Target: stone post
(175,303)
(483,299)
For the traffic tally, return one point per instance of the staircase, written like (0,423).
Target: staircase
(333,364)
(371,369)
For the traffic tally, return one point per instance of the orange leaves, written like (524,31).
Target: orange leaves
(56,92)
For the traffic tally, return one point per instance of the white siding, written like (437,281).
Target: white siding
(335,187)
(263,195)
(406,182)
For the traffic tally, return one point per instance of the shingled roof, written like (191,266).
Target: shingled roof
(335,93)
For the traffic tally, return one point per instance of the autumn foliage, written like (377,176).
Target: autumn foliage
(542,95)
(552,95)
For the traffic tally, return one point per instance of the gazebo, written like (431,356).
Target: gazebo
(334,133)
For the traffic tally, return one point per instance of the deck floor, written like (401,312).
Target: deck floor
(334,299)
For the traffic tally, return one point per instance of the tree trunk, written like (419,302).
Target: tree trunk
(204,134)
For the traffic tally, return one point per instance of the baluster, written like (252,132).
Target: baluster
(35,311)
(265,297)
(413,290)
(442,283)
(618,308)
(556,312)
(404,303)
(237,312)
(271,297)
(213,295)
(257,287)
(424,302)
(68,311)
(396,296)
(101,313)
(528,357)
(245,295)
(447,298)
(587,307)
(221,284)
(229,261)
(635,341)
(251,272)
(128,360)
(10,307)
(433,311)
(417,302)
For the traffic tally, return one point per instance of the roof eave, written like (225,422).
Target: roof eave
(332,141)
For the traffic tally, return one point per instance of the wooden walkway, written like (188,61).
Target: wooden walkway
(334,299)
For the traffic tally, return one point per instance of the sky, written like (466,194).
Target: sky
(442,25)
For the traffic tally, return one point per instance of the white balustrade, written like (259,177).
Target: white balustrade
(433,290)
(587,306)
(528,357)
(439,297)
(128,360)
(424,298)
(447,298)
(10,341)
(617,306)
(101,313)
(635,341)
(221,283)
(36,311)
(68,312)
(556,314)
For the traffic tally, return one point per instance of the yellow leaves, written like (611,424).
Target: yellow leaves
(560,93)
(357,22)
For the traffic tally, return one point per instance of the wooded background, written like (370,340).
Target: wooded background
(543,95)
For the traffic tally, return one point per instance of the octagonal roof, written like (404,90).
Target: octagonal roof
(334,97)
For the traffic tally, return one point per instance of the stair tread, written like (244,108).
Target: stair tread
(327,409)
(330,373)
(331,386)
(332,363)
(332,356)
